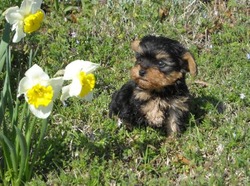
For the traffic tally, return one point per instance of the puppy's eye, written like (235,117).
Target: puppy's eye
(161,64)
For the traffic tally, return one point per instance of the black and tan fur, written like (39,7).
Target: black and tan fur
(157,94)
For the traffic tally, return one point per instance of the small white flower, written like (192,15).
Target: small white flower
(204,15)
(234,135)
(220,148)
(119,122)
(39,90)
(83,81)
(248,56)
(73,34)
(26,19)
(242,96)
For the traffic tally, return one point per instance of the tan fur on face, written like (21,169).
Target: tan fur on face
(162,55)
(154,79)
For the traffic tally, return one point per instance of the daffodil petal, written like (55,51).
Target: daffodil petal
(65,93)
(25,7)
(36,6)
(36,73)
(24,85)
(19,33)
(56,83)
(15,17)
(11,15)
(73,68)
(75,87)
(88,97)
(41,112)
(70,71)
(10,10)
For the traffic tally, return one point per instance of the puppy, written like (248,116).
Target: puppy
(157,94)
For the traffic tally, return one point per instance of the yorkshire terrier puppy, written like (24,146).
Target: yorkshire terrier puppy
(157,94)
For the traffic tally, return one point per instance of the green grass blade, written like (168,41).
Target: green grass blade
(30,128)
(24,153)
(4,98)
(30,58)
(4,44)
(6,156)
(9,92)
(56,5)
(23,116)
(12,152)
(2,59)
(28,134)
(15,119)
(2,108)
(37,148)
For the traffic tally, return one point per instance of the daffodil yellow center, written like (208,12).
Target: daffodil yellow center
(40,95)
(32,22)
(88,83)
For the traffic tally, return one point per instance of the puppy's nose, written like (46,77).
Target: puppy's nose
(142,72)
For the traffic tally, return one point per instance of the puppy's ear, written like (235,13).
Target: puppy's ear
(135,45)
(191,63)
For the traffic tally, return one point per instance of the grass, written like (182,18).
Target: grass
(84,147)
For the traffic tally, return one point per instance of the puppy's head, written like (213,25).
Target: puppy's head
(160,62)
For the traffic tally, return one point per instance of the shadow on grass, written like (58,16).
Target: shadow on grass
(113,142)
(202,105)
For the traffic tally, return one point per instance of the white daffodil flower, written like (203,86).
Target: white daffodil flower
(26,19)
(83,81)
(40,91)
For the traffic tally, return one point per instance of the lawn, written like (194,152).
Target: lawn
(83,146)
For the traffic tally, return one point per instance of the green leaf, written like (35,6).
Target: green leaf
(4,45)
(70,8)
(24,115)
(12,152)
(56,5)
(2,58)
(8,175)
(24,153)
(4,98)
(37,148)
